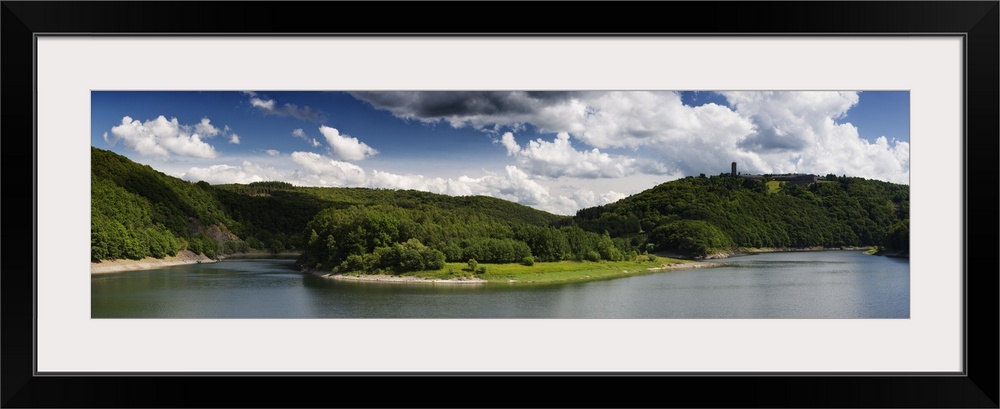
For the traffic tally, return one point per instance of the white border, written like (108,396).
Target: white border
(69,67)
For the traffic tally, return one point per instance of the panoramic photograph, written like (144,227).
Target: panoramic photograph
(567,204)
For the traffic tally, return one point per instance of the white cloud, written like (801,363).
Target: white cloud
(346,147)
(588,198)
(559,158)
(234,139)
(301,134)
(519,184)
(248,172)
(318,170)
(513,185)
(387,180)
(765,132)
(798,132)
(271,107)
(205,129)
(272,152)
(160,138)
(311,169)
(267,105)
(679,137)
(508,142)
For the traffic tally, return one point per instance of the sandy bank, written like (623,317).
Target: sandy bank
(117,266)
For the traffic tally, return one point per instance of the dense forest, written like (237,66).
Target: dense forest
(699,215)
(139,212)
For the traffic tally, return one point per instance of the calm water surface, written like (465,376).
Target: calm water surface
(822,284)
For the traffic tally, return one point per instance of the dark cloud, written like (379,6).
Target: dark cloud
(768,140)
(433,105)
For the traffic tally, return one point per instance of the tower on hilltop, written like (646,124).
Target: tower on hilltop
(734,168)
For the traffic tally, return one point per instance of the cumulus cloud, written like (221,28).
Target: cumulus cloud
(234,139)
(247,172)
(513,184)
(205,129)
(304,169)
(588,198)
(765,132)
(267,105)
(507,140)
(272,107)
(346,147)
(559,158)
(324,171)
(788,120)
(799,132)
(449,186)
(311,169)
(272,152)
(654,121)
(160,138)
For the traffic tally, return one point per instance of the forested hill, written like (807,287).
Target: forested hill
(137,211)
(700,214)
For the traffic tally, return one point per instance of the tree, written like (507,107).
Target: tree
(694,237)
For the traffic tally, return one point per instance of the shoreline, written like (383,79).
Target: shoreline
(386,278)
(182,258)
(760,250)
(148,263)
(682,266)
(288,255)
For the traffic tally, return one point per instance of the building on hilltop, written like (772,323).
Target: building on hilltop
(793,178)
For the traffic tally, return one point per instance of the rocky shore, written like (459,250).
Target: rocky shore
(756,250)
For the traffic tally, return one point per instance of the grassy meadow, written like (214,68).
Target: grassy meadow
(550,272)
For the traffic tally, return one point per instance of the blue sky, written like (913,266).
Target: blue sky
(556,151)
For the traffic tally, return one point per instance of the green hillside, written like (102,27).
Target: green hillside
(138,212)
(698,215)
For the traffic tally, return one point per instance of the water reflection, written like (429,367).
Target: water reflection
(833,284)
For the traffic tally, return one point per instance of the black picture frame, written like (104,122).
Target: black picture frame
(977,22)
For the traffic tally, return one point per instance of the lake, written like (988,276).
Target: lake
(816,284)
